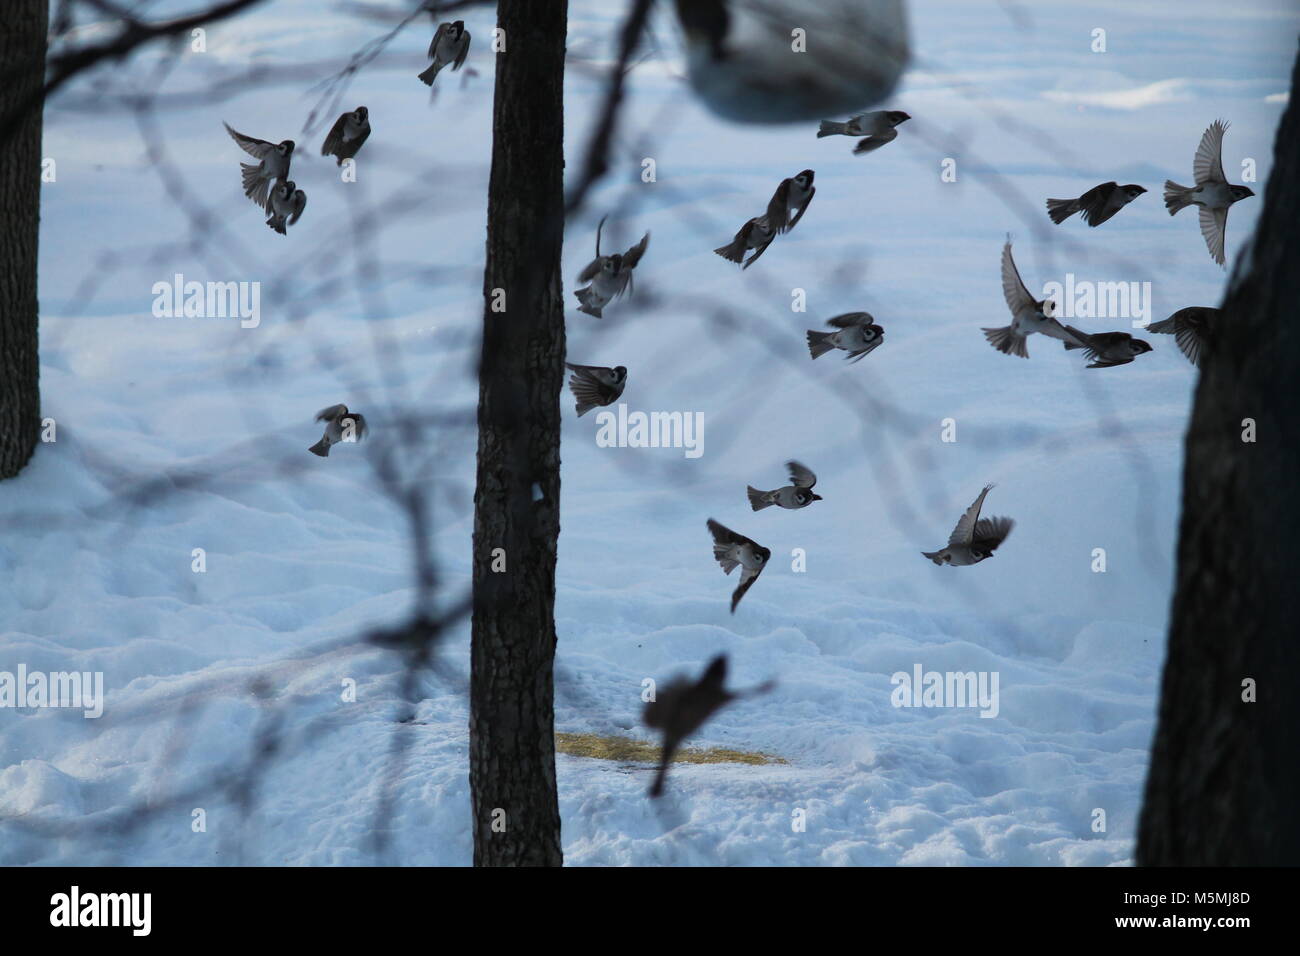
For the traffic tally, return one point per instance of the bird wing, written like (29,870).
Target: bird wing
(1207,167)
(1213,224)
(299,204)
(1190,343)
(859,355)
(633,255)
(335,137)
(1188,327)
(588,390)
(801,476)
(812,191)
(361,140)
(257,148)
(1093,203)
(747,579)
(331,413)
(850,319)
(1056,330)
(991,532)
(875,141)
(588,371)
(724,535)
(759,250)
(462,52)
(438,35)
(1013,289)
(589,273)
(964,533)
(778,207)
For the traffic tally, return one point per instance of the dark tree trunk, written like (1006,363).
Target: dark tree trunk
(517,501)
(22,74)
(1224,784)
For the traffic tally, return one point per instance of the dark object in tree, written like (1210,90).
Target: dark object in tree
(22,76)
(516,815)
(1224,782)
(682,707)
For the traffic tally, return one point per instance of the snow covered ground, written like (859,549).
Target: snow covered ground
(304,552)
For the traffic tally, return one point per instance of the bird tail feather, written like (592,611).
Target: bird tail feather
(818,344)
(733,251)
(1060,210)
(321,448)
(1177,197)
(431,74)
(1005,341)
(830,128)
(757,499)
(934,556)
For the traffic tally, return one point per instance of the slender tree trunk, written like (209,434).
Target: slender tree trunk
(1224,784)
(22,73)
(517,501)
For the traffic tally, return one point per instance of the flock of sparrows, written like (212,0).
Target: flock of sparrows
(683,706)
(857,334)
(267,181)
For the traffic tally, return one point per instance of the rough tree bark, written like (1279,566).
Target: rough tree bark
(1224,783)
(22,75)
(516,504)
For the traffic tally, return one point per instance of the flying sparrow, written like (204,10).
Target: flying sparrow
(1212,192)
(681,707)
(798,494)
(1097,205)
(1106,349)
(858,334)
(1028,315)
(595,385)
(285,204)
(794,193)
(757,234)
(340,425)
(273,163)
(876,128)
(1192,329)
(450,45)
(347,135)
(974,538)
(732,550)
(609,276)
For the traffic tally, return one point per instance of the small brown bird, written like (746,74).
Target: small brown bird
(974,539)
(1212,194)
(731,551)
(1193,329)
(595,385)
(1097,205)
(608,276)
(681,707)
(1107,349)
(877,129)
(347,135)
(858,335)
(450,45)
(340,425)
(757,234)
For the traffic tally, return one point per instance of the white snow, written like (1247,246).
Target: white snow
(303,554)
